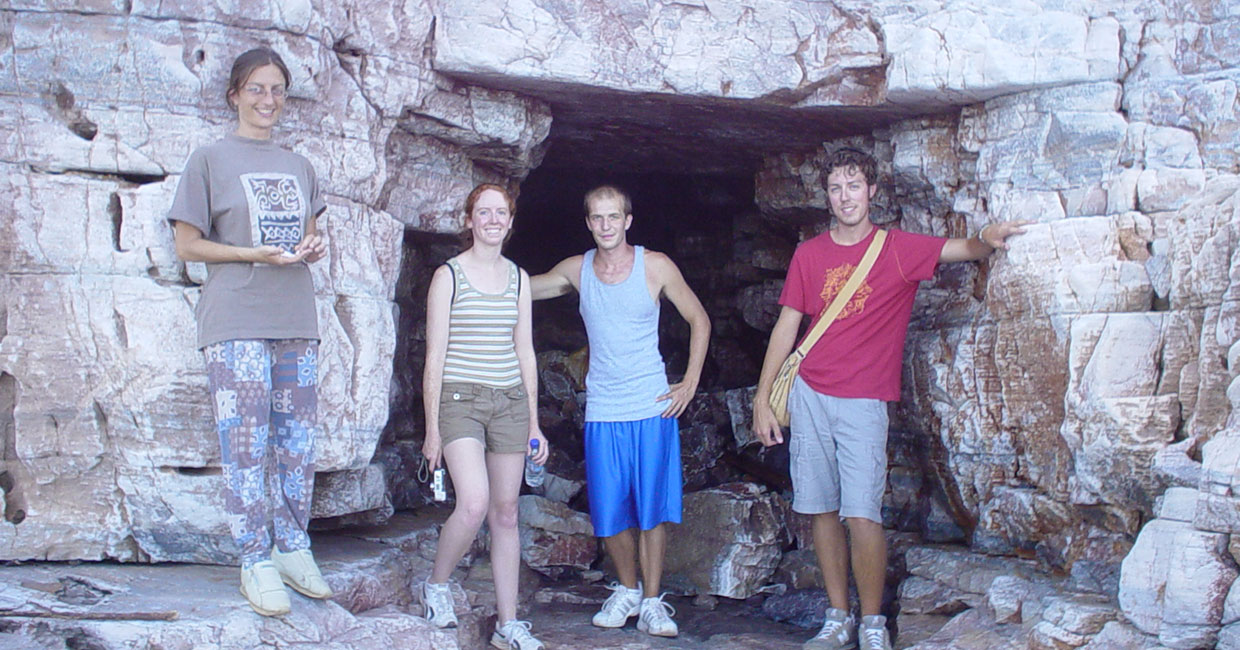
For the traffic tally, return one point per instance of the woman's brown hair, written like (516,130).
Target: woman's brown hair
(246,64)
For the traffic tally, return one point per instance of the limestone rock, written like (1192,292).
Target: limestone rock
(1115,418)
(719,50)
(924,596)
(1066,267)
(209,610)
(553,535)
(959,51)
(798,569)
(740,412)
(801,607)
(970,630)
(1205,235)
(1175,581)
(1218,504)
(349,491)
(729,543)
(1119,636)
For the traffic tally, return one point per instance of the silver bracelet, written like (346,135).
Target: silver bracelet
(983,239)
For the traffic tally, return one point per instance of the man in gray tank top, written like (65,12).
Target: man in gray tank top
(632,441)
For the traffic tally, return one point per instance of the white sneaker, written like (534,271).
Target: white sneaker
(437,599)
(262,588)
(299,571)
(620,606)
(839,632)
(874,633)
(656,618)
(515,634)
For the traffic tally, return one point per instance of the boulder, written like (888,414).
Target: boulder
(1175,581)
(554,536)
(729,541)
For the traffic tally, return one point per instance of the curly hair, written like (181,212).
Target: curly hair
(853,160)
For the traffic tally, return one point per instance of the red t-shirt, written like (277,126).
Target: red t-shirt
(861,352)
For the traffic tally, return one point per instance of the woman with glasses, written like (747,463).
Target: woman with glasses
(247,207)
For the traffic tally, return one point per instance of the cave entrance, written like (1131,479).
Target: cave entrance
(690,167)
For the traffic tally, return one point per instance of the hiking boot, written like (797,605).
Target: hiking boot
(839,632)
(262,588)
(655,618)
(873,634)
(620,606)
(298,570)
(437,599)
(515,634)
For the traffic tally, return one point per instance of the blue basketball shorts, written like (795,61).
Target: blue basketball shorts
(633,474)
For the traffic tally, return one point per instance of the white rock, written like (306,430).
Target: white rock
(1176,575)
(716,49)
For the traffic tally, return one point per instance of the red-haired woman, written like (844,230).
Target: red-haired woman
(480,392)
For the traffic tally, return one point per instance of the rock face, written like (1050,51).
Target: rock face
(1052,392)
(108,443)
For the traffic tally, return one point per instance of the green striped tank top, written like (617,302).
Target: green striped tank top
(480,327)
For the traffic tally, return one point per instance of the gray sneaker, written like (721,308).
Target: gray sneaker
(839,632)
(874,634)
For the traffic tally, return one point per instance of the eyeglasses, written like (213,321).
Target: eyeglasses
(255,90)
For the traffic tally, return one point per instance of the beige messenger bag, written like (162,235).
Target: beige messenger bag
(792,365)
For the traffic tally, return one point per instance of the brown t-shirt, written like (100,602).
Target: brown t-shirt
(245,192)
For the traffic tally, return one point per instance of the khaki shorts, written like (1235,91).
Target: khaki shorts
(499,418)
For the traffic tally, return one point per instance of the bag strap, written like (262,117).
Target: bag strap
(845,294)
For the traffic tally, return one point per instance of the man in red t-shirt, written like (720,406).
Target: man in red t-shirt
(838,446)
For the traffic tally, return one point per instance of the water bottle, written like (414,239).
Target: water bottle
(534,473)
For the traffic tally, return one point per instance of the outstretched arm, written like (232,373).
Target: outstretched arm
(990,237)
(783,337)
(686,302)
(561,279)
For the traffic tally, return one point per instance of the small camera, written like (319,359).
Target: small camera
(437,485)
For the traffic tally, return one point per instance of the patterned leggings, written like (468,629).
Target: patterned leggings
(264,399)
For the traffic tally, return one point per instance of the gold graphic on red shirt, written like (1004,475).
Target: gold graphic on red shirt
(833,280)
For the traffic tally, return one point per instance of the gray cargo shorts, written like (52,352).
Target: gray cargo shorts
(838,451)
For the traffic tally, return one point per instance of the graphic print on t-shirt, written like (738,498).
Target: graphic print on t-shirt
(276,209)
(833,280)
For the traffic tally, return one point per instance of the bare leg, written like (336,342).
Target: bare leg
(869,562)
(831,547)
(467,463)
(623,551)
(505,474)
(651,546)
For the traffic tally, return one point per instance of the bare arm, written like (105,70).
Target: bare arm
(313,244)
(673,284)
(192,246)
(783,338)
(990,237)
(523,339)
(438,309)
(561,279)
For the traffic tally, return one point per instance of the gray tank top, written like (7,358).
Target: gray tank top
(626,372)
